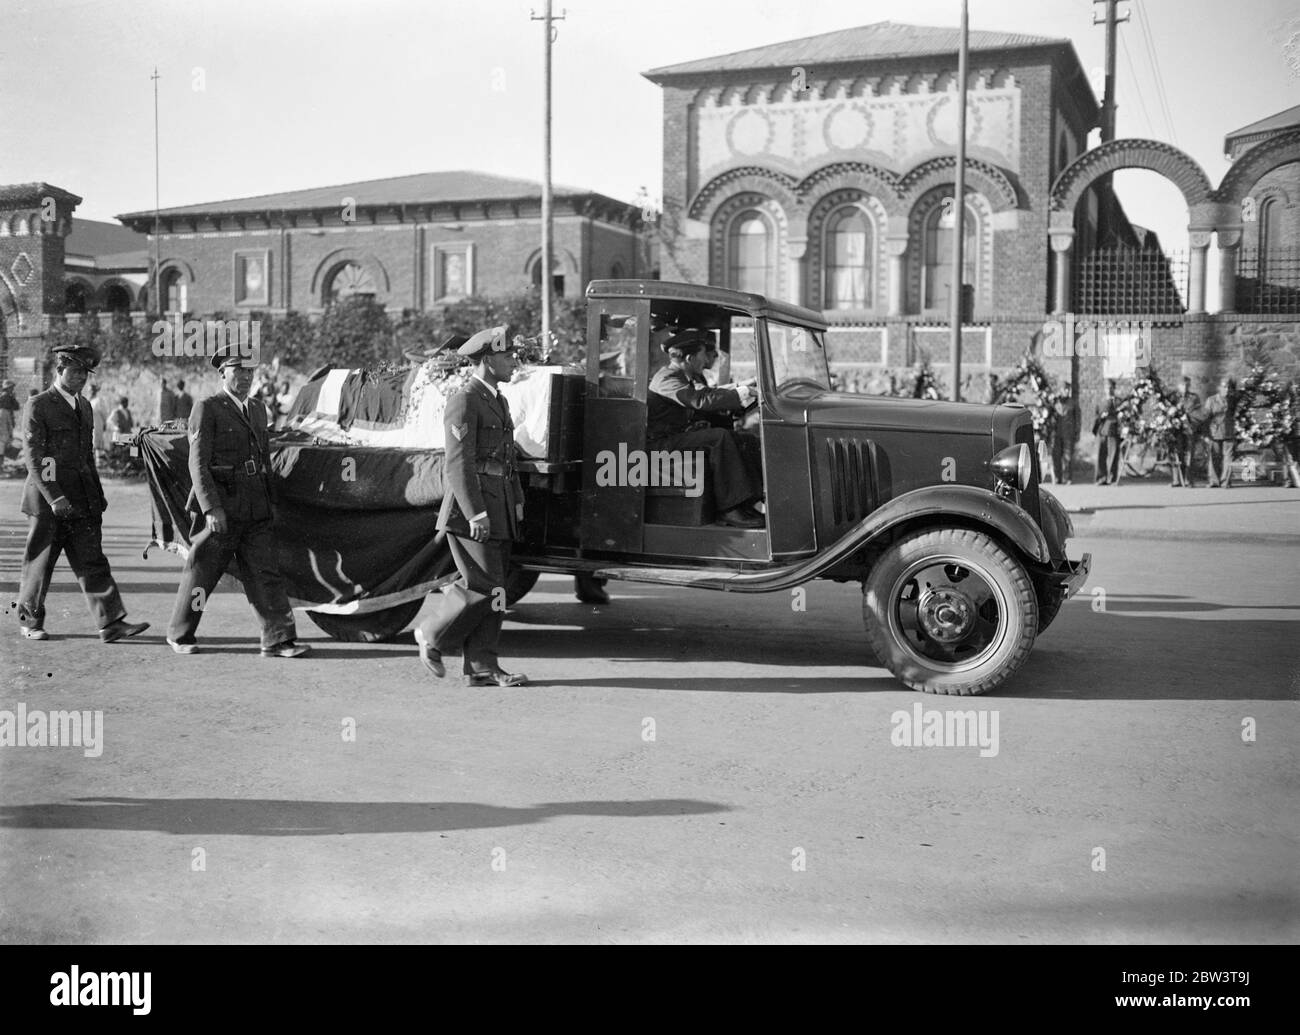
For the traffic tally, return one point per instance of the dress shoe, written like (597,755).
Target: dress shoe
(590,590)
(121,629)
(285,649)
(736,517)
(33,632)
(499,677)
(430,657)
(182,648)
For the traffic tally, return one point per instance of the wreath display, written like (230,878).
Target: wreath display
(1266,412)
(1034,388)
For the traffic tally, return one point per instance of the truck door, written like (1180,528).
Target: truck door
(618,376)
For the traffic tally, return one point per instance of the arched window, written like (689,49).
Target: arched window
(557,276)
(74,297)
(175,291)
(850,252)
(349,280)
(936,256)
(117,299)
(751,251)
(1271,240)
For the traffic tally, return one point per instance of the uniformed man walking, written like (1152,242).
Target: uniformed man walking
(64,501)
(480,514)
(231,507)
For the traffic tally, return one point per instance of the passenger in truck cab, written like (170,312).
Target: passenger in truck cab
(681,407)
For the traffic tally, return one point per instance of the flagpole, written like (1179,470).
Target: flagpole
(956,291)
(157,246)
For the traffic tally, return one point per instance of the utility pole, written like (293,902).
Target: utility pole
(546,261)
(1108,105)
(157,246)
(957,289)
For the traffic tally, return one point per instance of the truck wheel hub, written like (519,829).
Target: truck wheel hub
(945,614)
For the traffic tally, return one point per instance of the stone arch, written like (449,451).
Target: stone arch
(109,289)
(870,179)
(566,264)
(981,177)
(745,179)
(720,225)
(367,260)
(84,287)
(833,201)
(1256,163)
(1174,165)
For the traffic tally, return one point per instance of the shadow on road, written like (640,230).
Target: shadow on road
(266,817)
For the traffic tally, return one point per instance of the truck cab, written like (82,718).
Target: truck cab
(933,506)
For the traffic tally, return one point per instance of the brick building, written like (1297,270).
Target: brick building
(409,242)
(821,170)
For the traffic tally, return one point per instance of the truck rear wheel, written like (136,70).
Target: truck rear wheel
(949,611)
(370,627)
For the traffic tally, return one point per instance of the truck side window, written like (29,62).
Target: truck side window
(617,356)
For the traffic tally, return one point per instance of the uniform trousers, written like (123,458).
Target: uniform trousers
(251,545)
(81,539)
(474,606)
(1221,452)
(1107,470)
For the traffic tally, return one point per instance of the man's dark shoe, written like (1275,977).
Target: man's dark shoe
(499,677)
(121,629)
(590,590)
(285,649)
(736,517)
(430,657)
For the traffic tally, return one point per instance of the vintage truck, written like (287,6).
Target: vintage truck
(934,507)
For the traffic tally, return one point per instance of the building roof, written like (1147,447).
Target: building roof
(419,189)
(873,42)
(34,194)
(91,239)
(1283,120)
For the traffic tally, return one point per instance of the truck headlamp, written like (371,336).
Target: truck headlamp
(1014,466)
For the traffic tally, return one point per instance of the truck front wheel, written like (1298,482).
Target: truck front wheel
(949,611)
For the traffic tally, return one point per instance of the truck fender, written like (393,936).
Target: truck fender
(978,505)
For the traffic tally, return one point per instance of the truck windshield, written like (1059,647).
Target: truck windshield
(798,354)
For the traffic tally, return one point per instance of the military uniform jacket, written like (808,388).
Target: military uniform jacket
(479,463)
(230,459)
(1220,420)
(1106,424)
(60,456)
(676,402)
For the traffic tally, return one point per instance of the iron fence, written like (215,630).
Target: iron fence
(1269,281)
(1114,281)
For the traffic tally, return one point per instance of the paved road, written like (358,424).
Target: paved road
(770,806)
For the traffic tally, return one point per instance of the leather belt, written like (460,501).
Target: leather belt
(248,469)
(495,468)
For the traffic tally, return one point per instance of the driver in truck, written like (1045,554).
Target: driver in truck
(680,406)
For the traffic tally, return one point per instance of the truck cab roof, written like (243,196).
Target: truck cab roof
(700,294)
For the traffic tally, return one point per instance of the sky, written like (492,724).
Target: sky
(306,93)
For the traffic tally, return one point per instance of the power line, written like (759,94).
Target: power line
(1137,89)
(1149,38)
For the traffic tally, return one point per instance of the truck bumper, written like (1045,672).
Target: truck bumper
(1074,575)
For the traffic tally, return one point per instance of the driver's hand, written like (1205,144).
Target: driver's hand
(62,507)
(479,529)
(217,522)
